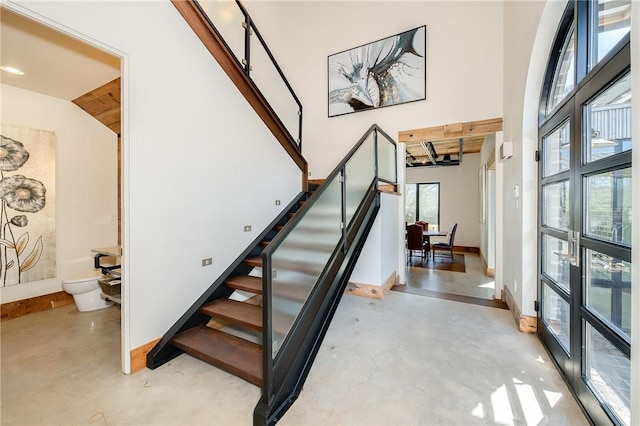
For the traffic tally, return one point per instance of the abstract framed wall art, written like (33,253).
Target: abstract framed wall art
(386,72)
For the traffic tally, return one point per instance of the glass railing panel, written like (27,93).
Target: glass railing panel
(299,260)
(266,77)
(227,17)
(386,159)
(360,172)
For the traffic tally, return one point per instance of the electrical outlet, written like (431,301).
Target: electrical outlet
(277,202)
(206,262)
(247,228)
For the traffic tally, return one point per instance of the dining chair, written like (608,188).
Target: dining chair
(425,239)
(414,241)
(448,246)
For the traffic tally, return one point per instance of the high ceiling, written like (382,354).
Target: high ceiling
(54,64)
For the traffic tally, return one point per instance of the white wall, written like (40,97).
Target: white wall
(379,258)
(528,34)
(198,163)
(458,197)
(85,188)
(323,28)
(487,229)
(464,63)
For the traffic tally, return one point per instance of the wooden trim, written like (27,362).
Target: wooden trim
(491,161)
(525,323)
(45,302)
(373,291)
(465,249)
(217,48)
(490,272)
(491,303)
(139,356)
(388,189)
(452,131)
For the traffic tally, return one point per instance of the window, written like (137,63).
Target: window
(611,22)
(422,202)
(564,78)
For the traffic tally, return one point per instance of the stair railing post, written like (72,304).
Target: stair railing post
(300,128)
(247,42)
(375,150)
(267,329)
(343,223)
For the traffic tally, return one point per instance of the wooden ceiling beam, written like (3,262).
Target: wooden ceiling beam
(451,131)
(103,103)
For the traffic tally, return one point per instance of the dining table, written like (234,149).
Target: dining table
(427,234)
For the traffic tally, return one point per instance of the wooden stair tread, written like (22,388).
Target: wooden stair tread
(264,243)
(245,283)
(231,353)
(236,312)
(254,261)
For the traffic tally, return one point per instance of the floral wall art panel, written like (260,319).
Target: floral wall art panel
(386,72)
(27,208)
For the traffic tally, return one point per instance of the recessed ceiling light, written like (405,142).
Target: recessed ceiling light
(12,70)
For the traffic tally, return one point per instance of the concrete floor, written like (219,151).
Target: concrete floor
(473,282)
(405,360)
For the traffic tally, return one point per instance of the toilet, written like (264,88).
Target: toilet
(86,293)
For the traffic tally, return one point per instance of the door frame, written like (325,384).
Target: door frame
(125,346)
(607,72)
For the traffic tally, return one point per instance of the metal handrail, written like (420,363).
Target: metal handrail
(249,30)
(273,61)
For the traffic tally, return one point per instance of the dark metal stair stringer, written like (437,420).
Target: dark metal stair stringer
(164,350)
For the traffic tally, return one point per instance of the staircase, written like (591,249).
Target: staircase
(305,256)
(228,333)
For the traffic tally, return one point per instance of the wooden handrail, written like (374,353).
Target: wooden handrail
(217,47)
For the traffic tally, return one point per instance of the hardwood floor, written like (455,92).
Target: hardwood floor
(471,286)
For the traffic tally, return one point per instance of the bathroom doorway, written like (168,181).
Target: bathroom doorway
(77,97)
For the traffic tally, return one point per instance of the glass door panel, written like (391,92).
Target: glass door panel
(555,314)
(555,198)
(608,202)
(603,171)
(556,151)
(555,261)
(608,122)
(608,290)
(556,224)
(607,374)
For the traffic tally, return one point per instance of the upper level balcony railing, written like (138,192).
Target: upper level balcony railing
(238,31)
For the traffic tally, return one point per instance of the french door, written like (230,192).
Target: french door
(585,238)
